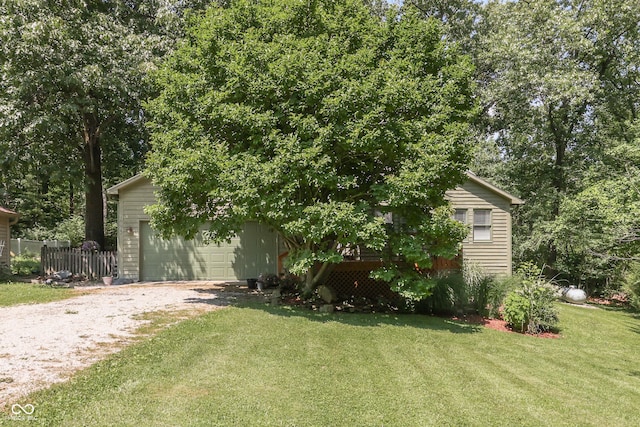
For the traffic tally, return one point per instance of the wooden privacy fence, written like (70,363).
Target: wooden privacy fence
(91,264)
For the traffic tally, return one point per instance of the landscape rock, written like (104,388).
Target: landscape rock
(62,275)
(327,293)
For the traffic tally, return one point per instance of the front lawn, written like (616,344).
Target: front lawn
(27,293)
(258,366)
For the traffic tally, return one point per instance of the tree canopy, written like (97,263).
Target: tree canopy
(73,78)
(319,119)
(560,89)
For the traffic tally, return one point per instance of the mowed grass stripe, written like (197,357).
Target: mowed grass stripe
(277,366)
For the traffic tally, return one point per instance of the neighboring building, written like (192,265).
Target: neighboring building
(7,218)
(142,255)
(487,211)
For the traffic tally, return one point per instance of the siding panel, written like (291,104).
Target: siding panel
(493,256)
(252,252)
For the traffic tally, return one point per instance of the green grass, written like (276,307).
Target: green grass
(26,293)
(258,366)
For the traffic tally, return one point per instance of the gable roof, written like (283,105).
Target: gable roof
(481,182)
(8,213)
(115,190)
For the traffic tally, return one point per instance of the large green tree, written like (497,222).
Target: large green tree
(560,87)
(72,82)
(316,118)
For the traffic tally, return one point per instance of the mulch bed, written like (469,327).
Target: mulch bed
(498,325)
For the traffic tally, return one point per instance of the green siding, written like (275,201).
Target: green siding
(494,256)
(250,253)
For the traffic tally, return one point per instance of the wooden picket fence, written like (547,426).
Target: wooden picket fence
(93,265)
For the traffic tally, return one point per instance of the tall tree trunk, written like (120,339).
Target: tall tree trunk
(94,213)
(72,207)
(561,131)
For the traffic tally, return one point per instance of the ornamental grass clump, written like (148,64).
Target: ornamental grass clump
(530,308)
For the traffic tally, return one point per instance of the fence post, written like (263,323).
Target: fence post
(43,254)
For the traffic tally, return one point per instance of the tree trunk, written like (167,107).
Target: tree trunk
(315,278)
(72,205)
(94,213)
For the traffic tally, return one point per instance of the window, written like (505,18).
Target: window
(460,215)
(481,225)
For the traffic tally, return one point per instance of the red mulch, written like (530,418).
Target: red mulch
(498,325)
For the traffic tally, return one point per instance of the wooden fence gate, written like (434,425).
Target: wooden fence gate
(93,265)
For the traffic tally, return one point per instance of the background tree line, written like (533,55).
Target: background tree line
(557,80)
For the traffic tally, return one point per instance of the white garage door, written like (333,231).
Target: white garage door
(252,252)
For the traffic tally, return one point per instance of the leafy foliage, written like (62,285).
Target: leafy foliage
(530,308)
(24,264)
(497,292)
(516,309)
(73,77)
(316,119)
(560,90)
(632,284)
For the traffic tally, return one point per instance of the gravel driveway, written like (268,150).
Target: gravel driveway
(41,344)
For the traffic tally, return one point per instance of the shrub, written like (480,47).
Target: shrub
(71,229)
(631,284)
(5,273)
(497,292)
(478,285)
(448,295)
(455,292)
(516,309)
(24,264)
(530,308)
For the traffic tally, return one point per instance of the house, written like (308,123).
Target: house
(7,218)
(487,211)
(142,255)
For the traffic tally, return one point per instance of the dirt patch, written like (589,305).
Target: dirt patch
(44,344)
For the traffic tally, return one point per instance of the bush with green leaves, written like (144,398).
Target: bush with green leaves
(631,284)
(25,264)
(448,295)
(515,311)
(530,308)
(497,291)
(456,292)
(71,229)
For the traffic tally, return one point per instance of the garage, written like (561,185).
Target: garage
(145,256)
(247,255)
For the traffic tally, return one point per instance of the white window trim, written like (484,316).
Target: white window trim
(489,226)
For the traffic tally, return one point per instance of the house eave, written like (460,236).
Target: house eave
(13,216)
(477,180)
(114,191)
